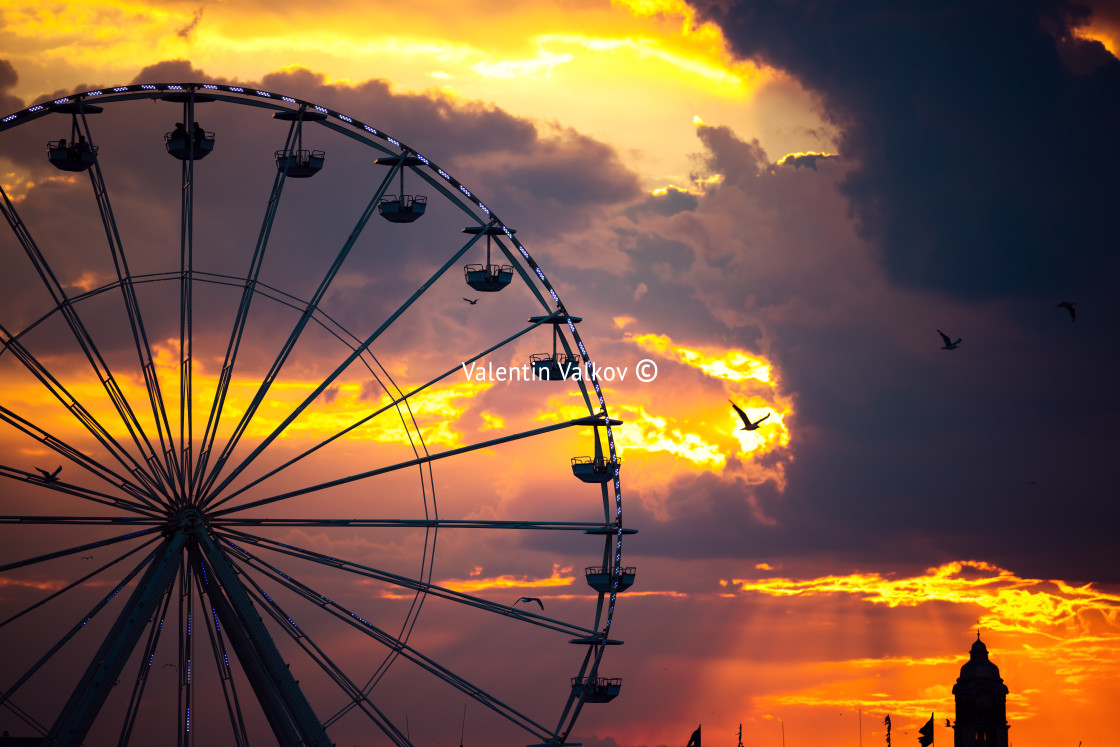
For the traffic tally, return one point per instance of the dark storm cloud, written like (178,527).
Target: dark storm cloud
(903,454)
(808,160)
(8,79)
(986,166)
(670,202)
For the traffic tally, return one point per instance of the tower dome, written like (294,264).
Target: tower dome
(981,698)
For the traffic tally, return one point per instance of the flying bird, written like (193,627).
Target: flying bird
(531,599)
(949,344)
(50,476)
(165,666)
(87,557)
(472,303)
(1068,306)
(747,424)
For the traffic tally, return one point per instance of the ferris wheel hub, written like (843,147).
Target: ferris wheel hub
(190,520)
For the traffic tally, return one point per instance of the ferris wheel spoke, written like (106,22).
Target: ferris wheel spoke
(289,345)
(403,465)
(221,657)
(77,583)
(357,697)
(411,584)
(90,521)
(248,292)
(394,644)
(141,683)
(26,717)
(66,450)
(186,650)
(74,550)
(396,402)
(587,527)
(100,368)
(343,366)
(77,491)
(83,416)
(146,562)
(132,306)
(186,303)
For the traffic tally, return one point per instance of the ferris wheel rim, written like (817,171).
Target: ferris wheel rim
(450,187)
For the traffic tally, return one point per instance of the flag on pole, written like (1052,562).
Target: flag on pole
(694,740)
(887,722)
(926,738)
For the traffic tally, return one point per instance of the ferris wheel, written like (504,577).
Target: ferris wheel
(225,429)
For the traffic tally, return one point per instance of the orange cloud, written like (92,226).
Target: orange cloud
(560,578)
(1050,608)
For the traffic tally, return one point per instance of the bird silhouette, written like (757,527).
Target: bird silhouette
(949,344)
(531,599)
(1068,306)
(50,476)
(165,666)
(87,557)
(472,303)
(747,424)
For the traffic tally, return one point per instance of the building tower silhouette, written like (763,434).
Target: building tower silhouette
(981,702)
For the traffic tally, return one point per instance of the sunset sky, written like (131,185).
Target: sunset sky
(778,203)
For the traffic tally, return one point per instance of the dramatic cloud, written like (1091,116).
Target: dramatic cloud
(986,167)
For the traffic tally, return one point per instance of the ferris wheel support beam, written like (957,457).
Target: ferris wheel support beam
(135,318)
(73,723)
(357,352)
(89,348)
(293,337)
(290,715)
(248,292)
(379,411)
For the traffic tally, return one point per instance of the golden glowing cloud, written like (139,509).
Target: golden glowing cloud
(560,578)
(1013,604)
(733,365)
(607,66)
(742,372)
(435,410)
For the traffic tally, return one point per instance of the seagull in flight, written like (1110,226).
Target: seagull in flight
(1068,306)
(949,344)
(87,557)
(50,476)
(527,600)
(472,303)
(747,424)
